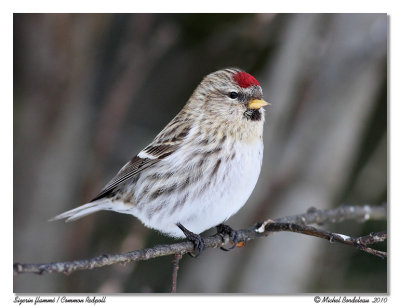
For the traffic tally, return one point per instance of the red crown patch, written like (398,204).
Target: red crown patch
(244,80)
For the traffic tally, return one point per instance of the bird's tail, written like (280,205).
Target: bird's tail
(84,210)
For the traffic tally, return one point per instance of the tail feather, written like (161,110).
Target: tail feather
(82,211)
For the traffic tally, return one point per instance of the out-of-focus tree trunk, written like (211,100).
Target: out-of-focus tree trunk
(54,129)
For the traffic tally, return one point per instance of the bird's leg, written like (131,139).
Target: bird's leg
(224,229)
(196,239)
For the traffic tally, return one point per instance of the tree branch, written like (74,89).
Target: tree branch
(360,243)
(175,268)
(297,224)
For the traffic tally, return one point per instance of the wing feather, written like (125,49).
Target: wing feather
(160,148)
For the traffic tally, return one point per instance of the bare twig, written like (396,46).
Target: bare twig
(295,223)
(269,226)
(175,268)
(372,238)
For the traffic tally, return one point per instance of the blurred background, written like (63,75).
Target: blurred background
(91,90)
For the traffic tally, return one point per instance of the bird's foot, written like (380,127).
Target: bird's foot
(223,230)
(198,242)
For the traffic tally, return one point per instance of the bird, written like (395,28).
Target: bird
(200,169)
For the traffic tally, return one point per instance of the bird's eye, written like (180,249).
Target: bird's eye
(233,95)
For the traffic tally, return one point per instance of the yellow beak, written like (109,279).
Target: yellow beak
(257,104)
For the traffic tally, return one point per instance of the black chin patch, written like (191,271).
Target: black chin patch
(252,114)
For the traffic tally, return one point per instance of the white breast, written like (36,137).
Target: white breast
(225,195)
(236,181)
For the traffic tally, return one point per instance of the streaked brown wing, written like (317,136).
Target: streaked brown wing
(166,143)
(155,153)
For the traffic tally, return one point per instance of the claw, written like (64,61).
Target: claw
(224,229)
(198,242)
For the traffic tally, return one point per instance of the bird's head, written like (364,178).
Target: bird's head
(231,95)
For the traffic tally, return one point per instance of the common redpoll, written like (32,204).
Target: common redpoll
(200,169)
